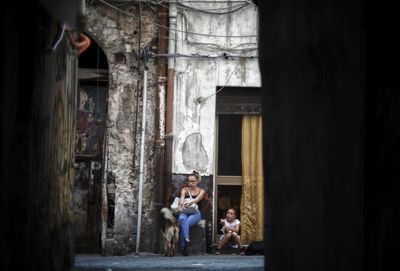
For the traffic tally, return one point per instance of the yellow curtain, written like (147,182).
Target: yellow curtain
(252,203)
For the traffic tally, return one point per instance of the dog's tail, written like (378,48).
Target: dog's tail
(167,213)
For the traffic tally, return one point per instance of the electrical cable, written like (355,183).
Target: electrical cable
(229,8)
(217,46)
(223,55)
(207,2)
(176,30)
(201,100)
(213,13)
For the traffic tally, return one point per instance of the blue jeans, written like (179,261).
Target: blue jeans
(185,222)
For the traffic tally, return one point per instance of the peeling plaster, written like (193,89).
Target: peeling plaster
(199,77)
(162,112)
(116,35)
(194,155)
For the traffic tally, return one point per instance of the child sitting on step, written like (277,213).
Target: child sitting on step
(230,230)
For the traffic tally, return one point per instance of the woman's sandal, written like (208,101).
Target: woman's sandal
(242,251)
(218,251)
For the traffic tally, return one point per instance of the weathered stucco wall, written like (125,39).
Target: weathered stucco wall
(214,61)
(119,35)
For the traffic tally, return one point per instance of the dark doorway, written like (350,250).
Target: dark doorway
(228,197)
(232,104)
(91,119)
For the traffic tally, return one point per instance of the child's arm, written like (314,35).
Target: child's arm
(232,229)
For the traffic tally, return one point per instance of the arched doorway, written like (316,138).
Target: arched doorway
(91,116)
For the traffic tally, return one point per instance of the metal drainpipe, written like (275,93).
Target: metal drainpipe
(140,196)
(170,102)
(159,177)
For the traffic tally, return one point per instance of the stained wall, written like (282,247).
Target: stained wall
(122,35)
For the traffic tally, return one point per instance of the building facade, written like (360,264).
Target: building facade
(196,66)
(216,82)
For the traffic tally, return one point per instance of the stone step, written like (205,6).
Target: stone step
(228,250)
(197,239)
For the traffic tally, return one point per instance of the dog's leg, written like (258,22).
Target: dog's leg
(165,246)
(173,247)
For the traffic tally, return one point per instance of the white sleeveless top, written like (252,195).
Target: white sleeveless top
(230,225)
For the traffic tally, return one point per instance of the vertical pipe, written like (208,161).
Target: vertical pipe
(159,174)
(140,196)
(170,100)
(82,10)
